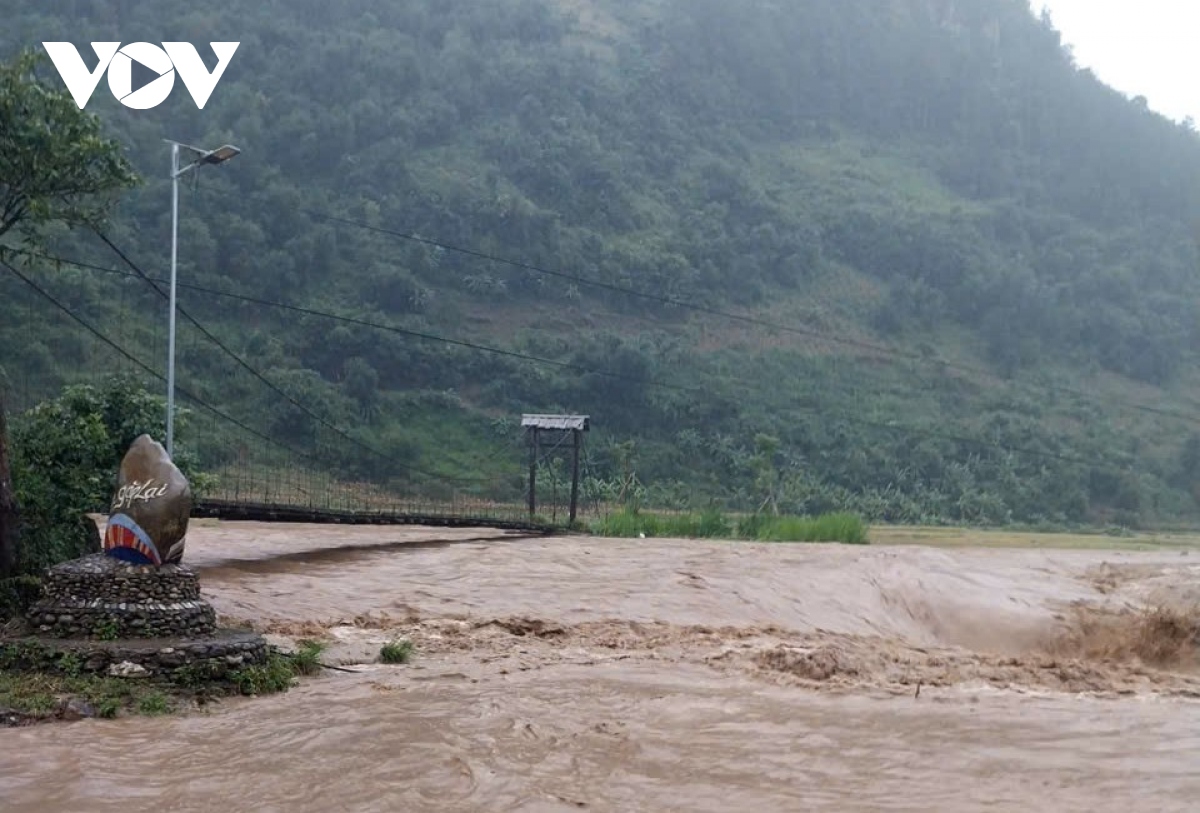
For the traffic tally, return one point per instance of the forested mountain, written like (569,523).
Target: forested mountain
(935,177)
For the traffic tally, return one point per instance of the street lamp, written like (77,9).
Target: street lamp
(203,157)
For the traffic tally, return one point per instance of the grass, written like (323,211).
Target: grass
(276,675)
(396,652)
(951,537)
(153,704)
(306,660)
(42,693)
(846,528)
(850,529)
(711,524)
(280,671)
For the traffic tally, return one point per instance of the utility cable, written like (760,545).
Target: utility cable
(271,385)
(662,299)
(147,368)
(811,408)
(415,334)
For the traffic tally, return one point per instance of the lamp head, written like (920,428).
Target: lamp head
(220,155)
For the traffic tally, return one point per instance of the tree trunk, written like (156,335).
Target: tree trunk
(8,506)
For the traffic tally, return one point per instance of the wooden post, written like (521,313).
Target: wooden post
(575,474)
(533,456)
(9,517)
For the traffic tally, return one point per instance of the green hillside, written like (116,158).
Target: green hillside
(964,270)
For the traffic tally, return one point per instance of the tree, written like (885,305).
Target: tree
(55,165)
(65,457)
(766,473)
(9,516)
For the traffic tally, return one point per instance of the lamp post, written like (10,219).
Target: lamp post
(217,156)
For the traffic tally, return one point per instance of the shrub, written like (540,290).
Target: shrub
(65,456)
(307,658)
(396,652)
(17,595)
(276,675)
(154,704)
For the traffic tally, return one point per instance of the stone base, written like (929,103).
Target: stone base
(210,658)
(102,597)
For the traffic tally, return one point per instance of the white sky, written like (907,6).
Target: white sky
(1140,47)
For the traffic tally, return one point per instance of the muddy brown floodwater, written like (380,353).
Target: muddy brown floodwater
(607,675)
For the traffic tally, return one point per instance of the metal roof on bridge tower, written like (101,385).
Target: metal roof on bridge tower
(580,423)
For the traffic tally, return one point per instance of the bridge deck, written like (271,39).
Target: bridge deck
(262,512)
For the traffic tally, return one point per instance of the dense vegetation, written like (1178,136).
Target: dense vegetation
(930,175)
(65,455)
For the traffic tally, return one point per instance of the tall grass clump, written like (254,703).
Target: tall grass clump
(397,651)
(623,524)
(712,524)
(846,528)
(306,660)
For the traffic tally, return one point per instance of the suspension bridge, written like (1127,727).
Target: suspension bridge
(263,447)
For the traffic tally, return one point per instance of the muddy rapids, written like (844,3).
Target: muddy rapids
(648,675)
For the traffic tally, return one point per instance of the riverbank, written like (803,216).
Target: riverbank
(47,681)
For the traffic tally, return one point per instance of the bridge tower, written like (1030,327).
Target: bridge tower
(554,425)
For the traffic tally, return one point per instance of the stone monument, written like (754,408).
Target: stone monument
(137,592)
(149,516)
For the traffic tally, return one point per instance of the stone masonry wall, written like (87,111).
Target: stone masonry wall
(213,657)
(105,578)
(101,597)
(124,620)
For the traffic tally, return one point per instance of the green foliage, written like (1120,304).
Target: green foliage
(42,692)
(712,524)
(306,660)
(70,664)
(107,630)
(36,679)
(846,528)
(65,456)
(276,675)
(918,174)
(17,595)
(200,675)
(396,651)
(154,704)
(22,655)
(38,703)
(56,167)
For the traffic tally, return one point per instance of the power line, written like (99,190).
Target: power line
(710,311)
(882,425)
(271,385)
(658,384)
(416,334)
(141,364)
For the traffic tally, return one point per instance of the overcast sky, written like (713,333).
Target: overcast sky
(1140,47)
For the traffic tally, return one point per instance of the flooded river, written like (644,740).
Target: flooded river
(645,675)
